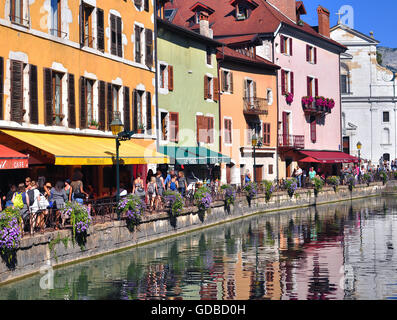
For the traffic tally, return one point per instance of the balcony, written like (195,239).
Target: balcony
(255,106)
(313,109)
(291,141)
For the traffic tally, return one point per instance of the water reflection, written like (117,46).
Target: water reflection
(339,251)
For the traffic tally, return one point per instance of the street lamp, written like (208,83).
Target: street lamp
(359,145)
(254,142)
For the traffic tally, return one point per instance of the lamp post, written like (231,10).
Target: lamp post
(359,145)
(117,127)
(254,141)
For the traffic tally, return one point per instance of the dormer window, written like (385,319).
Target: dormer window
(241,12)
(198,9)
(197,17)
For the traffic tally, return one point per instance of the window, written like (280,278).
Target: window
(241,12)
(270,169)
(149,47)
(249,91)
(16,90)
(57,98)
(163,69)
(311,54)
(344,83)
(115,98)
(386,157)
(138,44)
(286,45)
(56,18)
(89,100)
(116,45)
(174,126)
(227,81)
(164,126)
(146,5)
(228,131)
(86,29)
(16,12)
(269,96)
(208,87)
(100,18)
(266,134)
(312,86)
(205,129)
(209,56)
(386,116)
(138,109)
(287,82)
(386,136)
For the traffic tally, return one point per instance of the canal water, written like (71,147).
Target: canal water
(338,251)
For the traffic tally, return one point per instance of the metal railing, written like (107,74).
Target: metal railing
(255,105)
(293,141)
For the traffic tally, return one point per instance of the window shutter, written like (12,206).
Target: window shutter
(149,47)
(282,82)
(254,88)
(17,91)
(316,85)
(1,88)
(83,107)
(100,30)
(211,129)
(216,89)
(48,97)
(231,81)
(146,5)
(33,98)
(135,110)
(313,129)
(109,105)
(308,86)
(315,55)
(81,17)
(170,78)
(307,53)
(290,46)
(268,133)
(113,35)
(206,93)
(71,102)
(174,126)
(149,112)
(138,44)
(126,110)
(199,127)
(223,81)
(282,49)
(292,82)
(245,86)
(102,105)
(119,37)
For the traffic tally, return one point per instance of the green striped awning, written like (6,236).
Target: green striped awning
(193,155)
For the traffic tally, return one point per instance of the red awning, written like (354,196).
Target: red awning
(330,156)
(308,159)
(11,159)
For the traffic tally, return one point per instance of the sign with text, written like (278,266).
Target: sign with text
(13,163)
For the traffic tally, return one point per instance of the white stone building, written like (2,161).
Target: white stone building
(369,102)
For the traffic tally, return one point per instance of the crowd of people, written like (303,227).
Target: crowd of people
(35,199)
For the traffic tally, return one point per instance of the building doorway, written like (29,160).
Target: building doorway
(288,167)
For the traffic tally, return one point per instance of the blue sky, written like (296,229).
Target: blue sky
(377,16)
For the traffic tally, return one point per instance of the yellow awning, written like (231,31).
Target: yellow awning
(86,150)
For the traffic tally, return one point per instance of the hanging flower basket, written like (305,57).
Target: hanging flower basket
(289,98)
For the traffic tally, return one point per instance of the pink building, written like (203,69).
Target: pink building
(309,61)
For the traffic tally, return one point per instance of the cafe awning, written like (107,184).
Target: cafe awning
(11,159)
(329,156)
(193,155)
(68,149)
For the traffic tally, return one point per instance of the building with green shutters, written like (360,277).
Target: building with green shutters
(188,96)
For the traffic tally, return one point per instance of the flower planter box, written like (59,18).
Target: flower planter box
(93,127)
(139,131)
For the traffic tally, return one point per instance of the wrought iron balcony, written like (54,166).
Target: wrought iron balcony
(255,106)
(291,141)
(313,109)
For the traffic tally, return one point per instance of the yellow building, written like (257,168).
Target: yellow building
(66,69)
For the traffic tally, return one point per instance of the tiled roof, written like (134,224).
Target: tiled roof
(228,52)
(264,19)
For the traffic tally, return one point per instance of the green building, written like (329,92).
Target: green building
(188,99)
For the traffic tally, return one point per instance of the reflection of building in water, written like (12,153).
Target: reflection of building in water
(370,258)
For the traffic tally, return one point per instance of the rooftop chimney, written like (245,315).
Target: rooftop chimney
(323,21)
(287,7)
(205,25)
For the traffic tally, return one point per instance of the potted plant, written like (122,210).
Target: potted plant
(140,129)
(318,185)
(93,125)
(320,103)
(174,202)
(334,182)
(291,185)
(289,97)
(10,233)
(133,207)
(230,195)
(269,189)
(307,102)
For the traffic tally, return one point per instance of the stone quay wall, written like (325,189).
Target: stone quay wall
(56,249)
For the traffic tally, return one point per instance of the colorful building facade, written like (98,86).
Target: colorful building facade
(67,69)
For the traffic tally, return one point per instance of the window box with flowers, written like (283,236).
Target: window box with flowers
(94,125)
(330,104)
(289,97)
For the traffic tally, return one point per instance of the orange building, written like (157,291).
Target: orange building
(248,107)
(67,69)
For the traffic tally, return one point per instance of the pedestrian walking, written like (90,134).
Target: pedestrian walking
(182,184)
